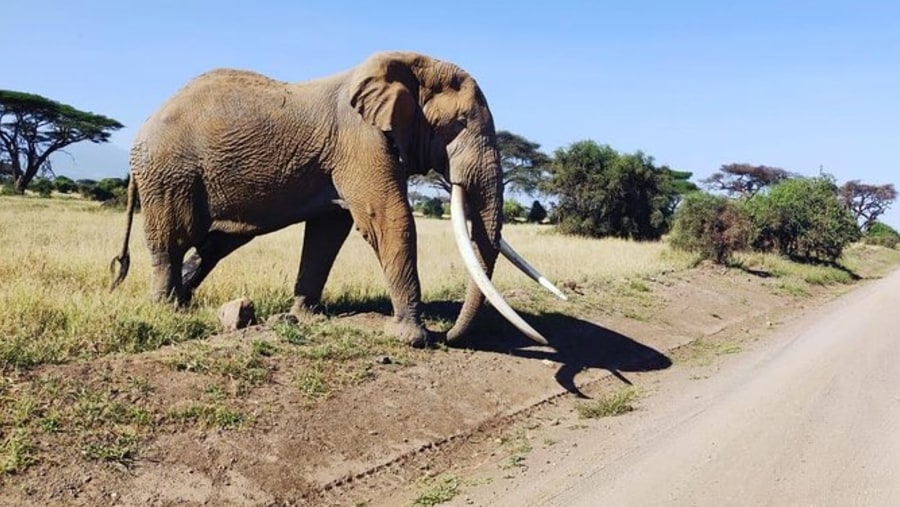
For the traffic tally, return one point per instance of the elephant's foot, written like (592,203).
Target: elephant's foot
(408,332)
(179,301)
(304,310)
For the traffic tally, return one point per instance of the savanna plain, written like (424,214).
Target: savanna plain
(107,399)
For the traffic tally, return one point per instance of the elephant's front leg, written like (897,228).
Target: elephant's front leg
(382,215)
(322,240)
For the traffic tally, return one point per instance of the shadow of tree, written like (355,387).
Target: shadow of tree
(759,273)
(830,264)
(576,344)
(800,260)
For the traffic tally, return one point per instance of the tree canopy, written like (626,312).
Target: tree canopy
(866,202)
(744,180)
(524,165)
(604,193)
(33,127)
(802,218)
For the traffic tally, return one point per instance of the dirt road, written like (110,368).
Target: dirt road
(811,416)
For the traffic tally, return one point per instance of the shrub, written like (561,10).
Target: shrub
(536,214)
(65,185)
(42,186)
(512,211)
(104,190)
(802,218)
(433,208)
(882,234)
(711,225)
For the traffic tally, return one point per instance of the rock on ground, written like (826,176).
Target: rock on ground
(236,314)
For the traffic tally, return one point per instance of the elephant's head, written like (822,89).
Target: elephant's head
(437,117)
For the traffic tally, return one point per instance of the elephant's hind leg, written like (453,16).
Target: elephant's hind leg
(175,216)
(215,247)
(166,266)
(322,241)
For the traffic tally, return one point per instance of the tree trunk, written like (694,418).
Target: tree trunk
(23,178)
(20,184)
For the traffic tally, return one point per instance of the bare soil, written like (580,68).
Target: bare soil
(399,423)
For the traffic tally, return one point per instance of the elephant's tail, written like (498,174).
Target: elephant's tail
(124,259)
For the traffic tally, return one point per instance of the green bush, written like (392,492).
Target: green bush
(711,225)
(882,234)
(802,218)
(512,211)
(65,185)
(433,208)
(536,214)
(112,190)
(42,186)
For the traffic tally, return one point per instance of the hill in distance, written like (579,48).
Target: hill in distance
(88,160)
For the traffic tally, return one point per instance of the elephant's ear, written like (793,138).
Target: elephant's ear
(385,93)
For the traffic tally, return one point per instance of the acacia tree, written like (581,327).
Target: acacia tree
(524,165)
(33,127)
(744,180)
(866,202)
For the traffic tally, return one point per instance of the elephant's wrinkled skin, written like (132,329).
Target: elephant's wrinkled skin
(235,154)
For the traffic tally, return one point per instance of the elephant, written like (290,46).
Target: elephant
(235,154)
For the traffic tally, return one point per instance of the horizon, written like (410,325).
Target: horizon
(808,87)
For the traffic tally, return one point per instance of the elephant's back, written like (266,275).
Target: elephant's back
(211,102)
(226,118)
(241,136)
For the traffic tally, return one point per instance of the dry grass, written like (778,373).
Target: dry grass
(55,306)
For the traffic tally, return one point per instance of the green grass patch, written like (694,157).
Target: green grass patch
(638,285)
(117,448)
(213,413)
(16,452)
(291,333)
(242,364)
(792,289)
(210,415)
(439,491)
(311,383)
(610,405)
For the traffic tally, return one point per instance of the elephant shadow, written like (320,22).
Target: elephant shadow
(574,343)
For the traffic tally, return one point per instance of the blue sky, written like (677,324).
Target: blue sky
(695,84)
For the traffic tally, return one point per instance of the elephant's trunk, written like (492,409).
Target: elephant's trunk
(481,203)
(478,197)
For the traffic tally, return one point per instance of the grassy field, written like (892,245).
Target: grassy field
(55,305)
(55,308)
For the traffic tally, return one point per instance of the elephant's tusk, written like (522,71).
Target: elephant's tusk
(464,243)
(528,269)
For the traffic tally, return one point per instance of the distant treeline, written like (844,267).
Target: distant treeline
(107,190)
